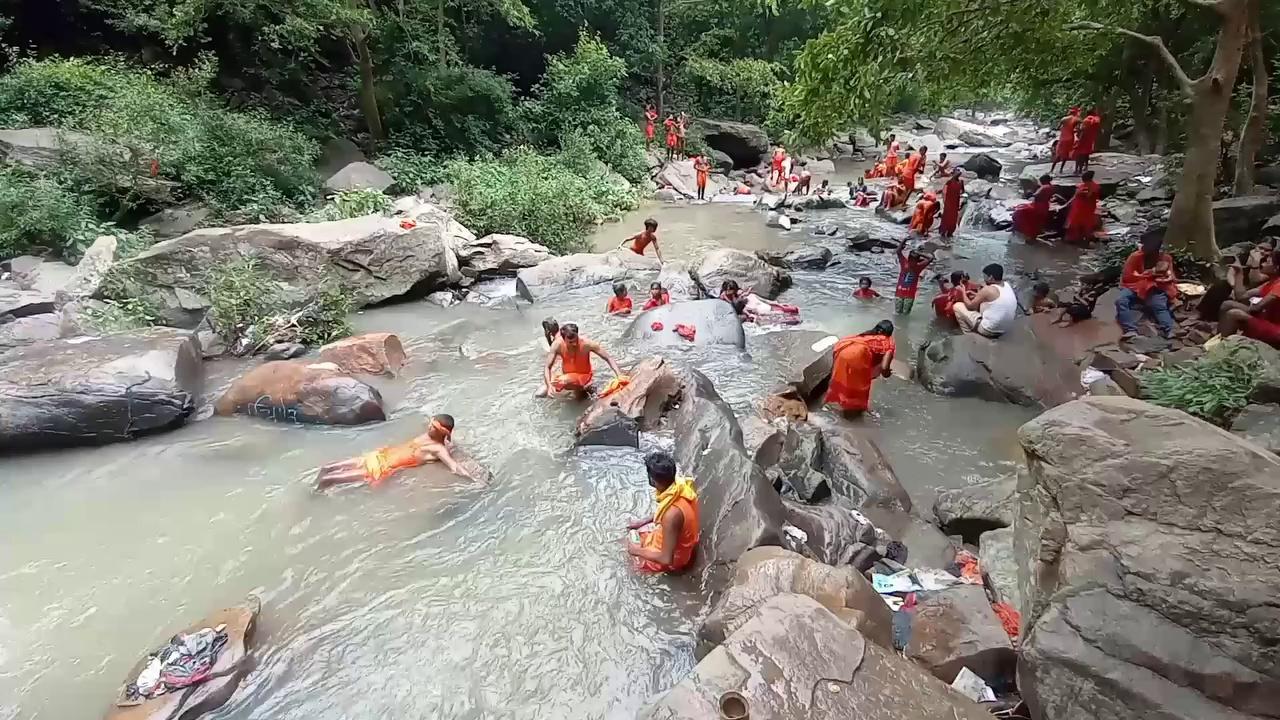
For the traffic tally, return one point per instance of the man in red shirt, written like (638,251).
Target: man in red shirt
(1256,312)
(1082,211)
(910,265)
(1148,284)
(1066,140)
(1090,128)
(949,293)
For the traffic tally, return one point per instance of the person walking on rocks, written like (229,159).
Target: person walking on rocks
(1147,284)
(1090,128)
(1066,147)
(910,266)
(671,545)
(952,194)
(989,312)
(856,362)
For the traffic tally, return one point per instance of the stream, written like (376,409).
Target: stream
(428,597)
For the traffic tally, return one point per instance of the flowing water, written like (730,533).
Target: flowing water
(429,597)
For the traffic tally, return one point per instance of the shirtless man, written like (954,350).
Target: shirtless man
(574,353)
(638,242)
(375,467)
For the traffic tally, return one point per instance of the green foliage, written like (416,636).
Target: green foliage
(227,159)
(352,204)
(128,313)
(38,211)
(412,171)
(1215,387)
(245,308)
(465,111)
(741,89)
(540,197)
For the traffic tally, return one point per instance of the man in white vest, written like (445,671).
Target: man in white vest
(990,311)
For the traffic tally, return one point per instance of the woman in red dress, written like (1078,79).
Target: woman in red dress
(858,359)
(1030,218)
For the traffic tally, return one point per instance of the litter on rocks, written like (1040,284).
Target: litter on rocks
(968,683)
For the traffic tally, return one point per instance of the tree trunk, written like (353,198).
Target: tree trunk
(1140,107)
(1108,111)
(1191,217)
(440,37)
(368,87)
(1253,133)
(662,54)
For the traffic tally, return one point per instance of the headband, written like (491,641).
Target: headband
(435,425)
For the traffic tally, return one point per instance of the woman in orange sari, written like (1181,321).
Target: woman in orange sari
(858,359)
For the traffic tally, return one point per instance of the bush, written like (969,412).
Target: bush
(245,310)
(453,111)
(743,89)
(1214,388)
(39,211)
(351,204)
(538,196)
(412,171)
(227,159)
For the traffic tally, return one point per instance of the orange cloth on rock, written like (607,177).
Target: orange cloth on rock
(856,364)
(681,494)
(615,385)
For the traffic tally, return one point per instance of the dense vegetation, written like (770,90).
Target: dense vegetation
(1215,387)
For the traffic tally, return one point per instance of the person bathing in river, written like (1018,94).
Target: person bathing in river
(576,373)
(864,291)
(620,303)
(804,179)
(657,297)
(672,543)
(990,312)
(950,292)
(910,266)
(856,362)
(638,242)
(375,467)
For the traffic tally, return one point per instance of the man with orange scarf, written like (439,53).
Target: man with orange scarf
(1082,212)
(375,467)
(952,193)
(673,542)
(1066,149)
(1030,218)
(922,218)
(857,360)
(574,353)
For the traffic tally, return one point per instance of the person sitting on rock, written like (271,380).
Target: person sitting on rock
(1255,313)
(950,292)
(942,167)
(1042,299)
(672,543)
(824,190)
(375,467)
(859,195)
(657,296)
(1147,284)
(638,242)
(576,373)
(990,312)
(856,362)
(864,291)
(620,303)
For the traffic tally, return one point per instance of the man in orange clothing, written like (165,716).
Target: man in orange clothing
(673,542)
(1082,210)
(703,168)
(912,167)
(574,353)
(650,125)
(374,467)
(891,156)
(1090,128)
(952,193)
(1066,140)
(922,218)
(672,139)
(1148,284)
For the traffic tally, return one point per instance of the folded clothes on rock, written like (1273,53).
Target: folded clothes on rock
(187,659)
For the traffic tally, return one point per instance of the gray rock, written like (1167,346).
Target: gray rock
(720,161)
(336,154)
(834,534)
(973,510)
(971,133)
(925,124)
(927,546)
(500,254)
(176,221)
(778,219)
(1147,540)
(956,628)
(795,660)
(43,147)
(92,269)
(1259,424)
(744,143)
(749,271)
(817,202)
(998,560)
(571,272)
(298,391)
(62,393)
(212,344)
(984,166)
(359,175)
(443,298)
(1014,368)
(1111,170)
(1269,176)
(859,471)
(799,461)
(764,438)
(23,330)
(680,175)
(678,281)
(714,321)
(798,257)
(668,195)
(284,351)
(618,419)
(1271,229)
(1241,219)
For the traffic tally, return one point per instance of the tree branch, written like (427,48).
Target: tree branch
(1185,83)
(1215,5)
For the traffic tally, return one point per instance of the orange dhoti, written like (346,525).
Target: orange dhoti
(384,462)
(681,495)
(572,381)
(857,362)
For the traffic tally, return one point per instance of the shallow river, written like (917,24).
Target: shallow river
(427,598)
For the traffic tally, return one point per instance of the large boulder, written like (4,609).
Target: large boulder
(1111,170)
(971,133)
(1014,368)
(798,257)
(767,572)
(746,144)
(750,272)
(571,272)
(1259,424)
(720,161)
(91,391)
(368,354)
(1241,219)
(833,533)
(738,508)
(228,671)
(956,628)
(997,558)
(92,269)
(373,257)
(857,469)
(713,320)
(619,418)
(1148,542)
(974,509)
(817,202)
(41,148)
(984,166)
(500,254)
(796,660)
(359,175)
(680,175)
(678,281)
(299,391)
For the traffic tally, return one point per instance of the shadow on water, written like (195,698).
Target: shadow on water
(428,597)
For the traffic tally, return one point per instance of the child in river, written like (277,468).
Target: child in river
(620,303)
(375,467)
(864,291)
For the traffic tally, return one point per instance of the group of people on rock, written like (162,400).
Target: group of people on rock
(790,175)
(676,127)
(1077,140)
(899,192)
(1253,309)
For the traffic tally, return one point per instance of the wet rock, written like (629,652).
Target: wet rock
(230,669)
(798,257)
(1111,171)
(764,573)
(1259,424)
(795,660)
(499,254)
(834,534)
(749,271)
(299,391)
(825,230)
(443,298)
(897,216)
(859,471)
(818,202)
(93,391)
(618,419)
(971,133)
(806,370)
(1241,219)
(984,166)
(1014,368)
(778,220)
(713,319)
(1141,532)
(212,344)
(359,175)
(973,510)
(786,405)
(998,560)
(678,281)
(956,628)
(176,221)
(570,272)
(369,354)
(738,507)
(763,439)
(926,545)
(744,143)
(372,256)
(284,351)
(668,195)
(92,269)
(798,463)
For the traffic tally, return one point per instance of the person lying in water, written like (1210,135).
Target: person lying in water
(574,353)
(375,467)
(753,308)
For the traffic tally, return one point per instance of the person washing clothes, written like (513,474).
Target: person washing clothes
(673,542)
